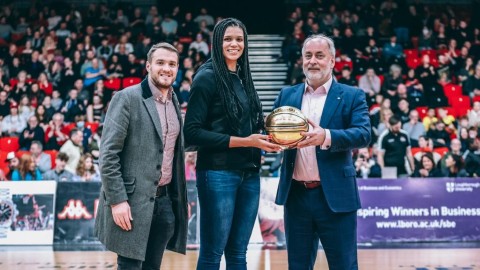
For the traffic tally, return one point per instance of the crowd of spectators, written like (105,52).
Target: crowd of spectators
(419,66)
(61,65)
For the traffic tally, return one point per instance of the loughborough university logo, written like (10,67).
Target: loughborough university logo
(450,186)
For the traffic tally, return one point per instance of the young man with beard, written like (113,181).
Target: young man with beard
(143,203)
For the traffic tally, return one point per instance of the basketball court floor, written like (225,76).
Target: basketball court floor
(404,257)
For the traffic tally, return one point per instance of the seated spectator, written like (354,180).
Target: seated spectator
(132,68)
(33,132)
(104,51)
(403,111)
(454,167)
(392,80)
(429,119)
(56,133)
(366,166)
(86,170)
(474,115)
(40,113)
(347,77)
(392,49)
(414,128)
(414,87)
(13,124)
(184,94)
(43,161)
(199,44)
(96,110)
(385,115)
(36,96)
(93,74)
(370,83)
(472,84)
(427,167)
(94,145)
(73,148)
(472,157)
(24,108)
(59,173)
(440,137)
(87,132)
(426,146)
(4,104)
(13,163)
(72,106)
(27,170)
(54,103)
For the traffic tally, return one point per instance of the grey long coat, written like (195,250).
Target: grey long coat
(131,155)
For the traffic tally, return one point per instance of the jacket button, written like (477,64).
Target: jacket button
(156,183)
(159,166)
(152,199)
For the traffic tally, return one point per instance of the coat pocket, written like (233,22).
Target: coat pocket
(129,184)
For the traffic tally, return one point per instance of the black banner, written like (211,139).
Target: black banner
(75,211)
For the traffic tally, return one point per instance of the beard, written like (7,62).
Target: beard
(161,83)
(317,75)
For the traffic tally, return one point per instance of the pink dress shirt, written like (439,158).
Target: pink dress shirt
(313,101)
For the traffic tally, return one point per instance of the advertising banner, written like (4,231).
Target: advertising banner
(75,212)
(414,210)
(27,212)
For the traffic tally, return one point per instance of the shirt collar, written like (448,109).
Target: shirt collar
(157,94)
(327,86)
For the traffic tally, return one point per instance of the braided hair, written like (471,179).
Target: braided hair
(224,83)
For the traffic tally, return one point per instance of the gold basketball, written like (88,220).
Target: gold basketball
(285,123)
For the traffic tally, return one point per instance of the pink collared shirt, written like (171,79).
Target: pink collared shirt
(306,168)
(170,130)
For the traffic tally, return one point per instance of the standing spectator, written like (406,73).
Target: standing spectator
(414,128)
(86,170)
(43,161)
(13,124)
(27,170)
(73,148)
(55,135)
(394,147)
(59,173)
(33,132)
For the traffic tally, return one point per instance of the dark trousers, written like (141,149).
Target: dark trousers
(309,219)
(228,209)
(163,226)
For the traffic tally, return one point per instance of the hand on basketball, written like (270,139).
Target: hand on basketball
(261,141)
(315,137)
(122,215)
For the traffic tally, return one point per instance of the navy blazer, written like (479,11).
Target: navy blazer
(345,114)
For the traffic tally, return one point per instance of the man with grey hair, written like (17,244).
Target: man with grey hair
(318,177)
(143,202)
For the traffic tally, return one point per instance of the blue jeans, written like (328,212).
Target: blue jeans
(228,208)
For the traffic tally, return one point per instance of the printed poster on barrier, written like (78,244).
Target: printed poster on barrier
(413,210)
(27,212)
(76,209)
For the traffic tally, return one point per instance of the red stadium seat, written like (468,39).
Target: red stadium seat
(9,144)
(129,81)
(93,126)
(452,90)
(113,84)
(476,98)
(422,111)
(13,82)
(441,150)
(416,150)
(382,78)
(53,156)
(413,62)
(410,53)
(461,102)
(431,53)
(20,153)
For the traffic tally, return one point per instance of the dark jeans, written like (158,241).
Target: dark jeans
(228,208)
(308,218)
(163,226)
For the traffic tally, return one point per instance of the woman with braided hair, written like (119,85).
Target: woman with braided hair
(224,121)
